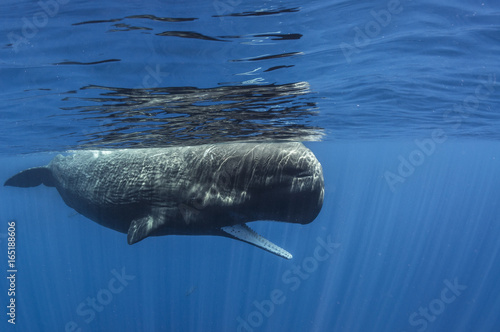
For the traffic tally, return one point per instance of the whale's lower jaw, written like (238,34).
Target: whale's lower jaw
(246,234)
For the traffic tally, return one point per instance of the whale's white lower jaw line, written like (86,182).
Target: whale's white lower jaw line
(246,234)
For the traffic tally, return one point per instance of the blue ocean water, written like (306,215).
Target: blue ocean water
(399,100)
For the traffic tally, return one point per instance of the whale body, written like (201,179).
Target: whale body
(188,190)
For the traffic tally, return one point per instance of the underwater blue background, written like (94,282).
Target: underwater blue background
(402,110)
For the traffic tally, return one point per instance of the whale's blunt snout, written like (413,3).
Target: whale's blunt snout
(307,188)
(296,192)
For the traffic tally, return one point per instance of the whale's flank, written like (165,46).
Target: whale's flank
(212,189)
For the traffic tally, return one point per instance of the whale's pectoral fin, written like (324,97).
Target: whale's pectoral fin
(141,228)
(246,234)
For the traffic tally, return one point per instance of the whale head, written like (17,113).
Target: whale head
(279,182)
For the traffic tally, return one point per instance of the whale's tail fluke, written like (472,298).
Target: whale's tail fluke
(32,177)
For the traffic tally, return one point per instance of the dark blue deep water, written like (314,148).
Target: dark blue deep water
(399,100)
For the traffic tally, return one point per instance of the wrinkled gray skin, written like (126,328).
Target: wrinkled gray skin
(187,189)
